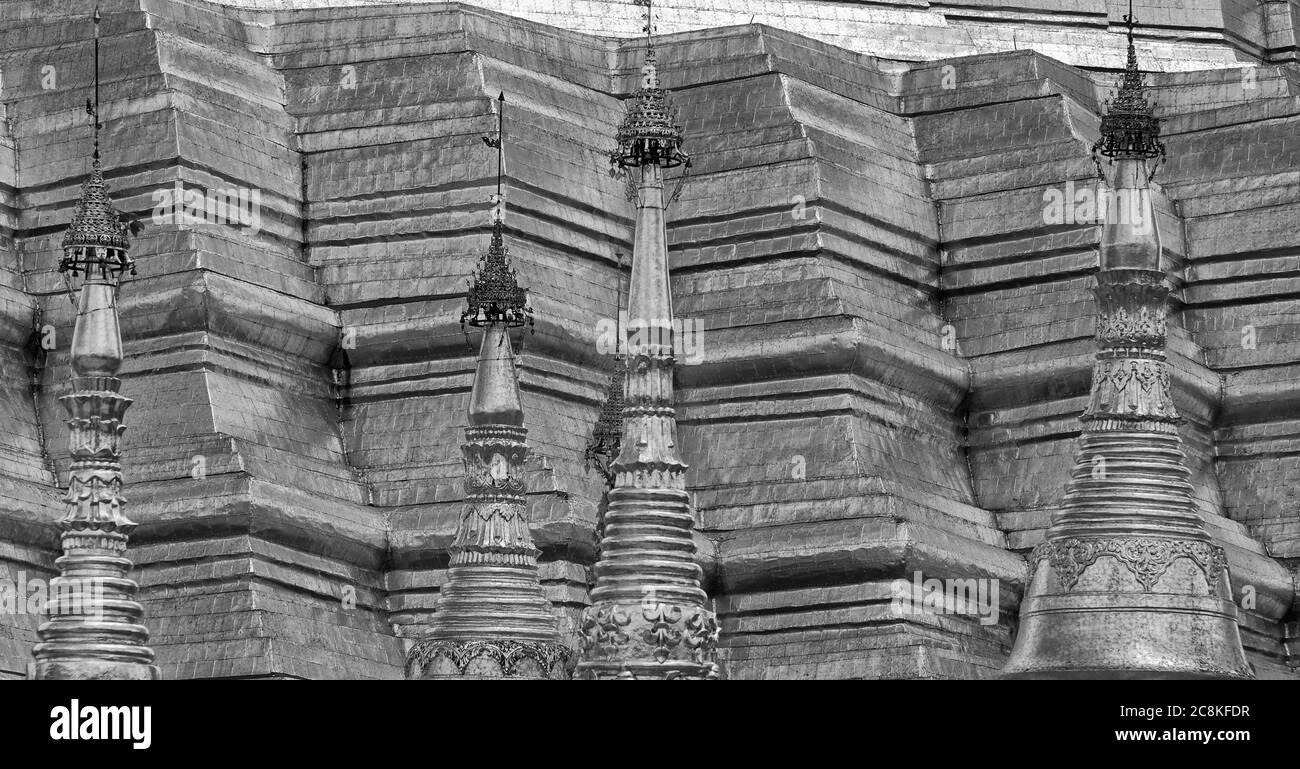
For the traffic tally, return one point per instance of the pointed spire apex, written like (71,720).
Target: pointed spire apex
(651,61)
(94,111)
(495,296)
(1129,21)
(1129,127)
(649,27)
(499,141)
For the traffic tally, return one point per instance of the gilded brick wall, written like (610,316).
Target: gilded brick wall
(896,342)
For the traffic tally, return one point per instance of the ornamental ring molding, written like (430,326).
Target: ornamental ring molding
(549,657)
(1147,558)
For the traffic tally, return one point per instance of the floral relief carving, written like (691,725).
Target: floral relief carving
(1147,558)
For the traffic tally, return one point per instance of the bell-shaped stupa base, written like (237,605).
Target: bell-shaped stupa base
(1106,625)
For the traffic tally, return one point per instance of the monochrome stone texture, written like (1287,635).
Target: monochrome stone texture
(963,343)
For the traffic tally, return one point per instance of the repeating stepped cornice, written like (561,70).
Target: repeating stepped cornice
(493,619)
(1127,582)
(648,617)
(95,628)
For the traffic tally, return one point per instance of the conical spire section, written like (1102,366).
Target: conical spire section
(495,400)
(95,630)
(648,617)
(1127,582)
(493,619)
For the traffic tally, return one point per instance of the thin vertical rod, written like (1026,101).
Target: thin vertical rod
(618,335)
(501,141)
(95,114)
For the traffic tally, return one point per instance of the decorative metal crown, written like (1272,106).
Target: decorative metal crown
(649,132)
(97,239)
(1129,128)
(494,294)
(607,435)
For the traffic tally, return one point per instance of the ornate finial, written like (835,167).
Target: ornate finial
(95,223)
(96,242)
(494,293)
(649,132)
(1129,127)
